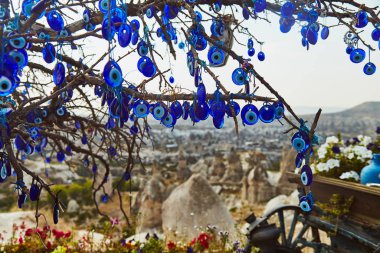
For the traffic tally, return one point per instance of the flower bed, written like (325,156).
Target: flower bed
(53,240)
(344,159)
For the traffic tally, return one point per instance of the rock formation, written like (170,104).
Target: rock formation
(194,204)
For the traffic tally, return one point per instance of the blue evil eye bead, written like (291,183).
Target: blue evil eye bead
(171,11)
(361,19)
(135,38)
(306,175)
(59,73)
(103,5)
(112,74)
(69,150)
(61,111)
(246,14)
(216,56)
(7,85)
(202,111)
(20,144)
(299,159)
(191,63)
(305,204)
(150,12)
(169,120)
(260,5)
(325,32)
(142,48)
(17,43)
(118,17)
(279,110)
(20,57)
(56,213)
(176,109)
(146,66)
(251,52)
(55,21)
(34,133)
(357,55)
(249,114)
(312,37)
(89,27)
(135,25)
(185,110)
(218,122)
(349,49)
(64,33)
(159,111)
(26,7)
(217,6)
(232,109)
(104,198)
(300,142)
(48,53)
(171,79)
(376,34)
(34,192)
(86,15)
(124,35)
(198,16)
(60,156)
(181,45)
(141,108)
(312,16)
(84,139)
(239,77)
(250,43)
(261,56)
(369,68)
(267,113)
(21,199)
(134,130)
(287,9)
(108,29)
(201,93)
(217,28)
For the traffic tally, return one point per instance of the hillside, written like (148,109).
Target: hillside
(361,119)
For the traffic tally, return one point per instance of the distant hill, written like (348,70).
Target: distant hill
(361,119)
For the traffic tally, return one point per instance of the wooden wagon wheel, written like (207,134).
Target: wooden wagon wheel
(284,230)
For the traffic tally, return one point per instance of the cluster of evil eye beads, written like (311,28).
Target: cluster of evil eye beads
(310,30)
(302,144)
(122,106)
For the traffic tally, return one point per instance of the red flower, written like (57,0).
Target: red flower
(67,235)
(29,232)
(20,240)
(49,245)
(22,225)
(171,245)
(204,239)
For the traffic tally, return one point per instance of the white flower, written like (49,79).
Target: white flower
(332,140)
(322,167)
(322,151)
(332,163)
(350,156)
(365,140)
(350,175)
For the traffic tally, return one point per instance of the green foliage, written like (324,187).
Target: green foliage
(79,191)
(125,186)
(337,207)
